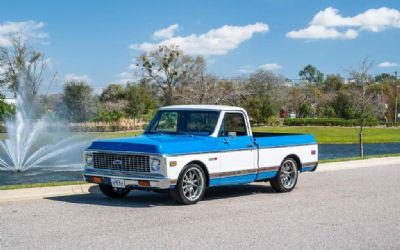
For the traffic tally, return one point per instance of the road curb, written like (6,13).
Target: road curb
(346,165)
(43,192)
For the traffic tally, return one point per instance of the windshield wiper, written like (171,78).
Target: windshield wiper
(184,132)
(154,132)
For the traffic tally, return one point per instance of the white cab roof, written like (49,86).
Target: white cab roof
(203,107)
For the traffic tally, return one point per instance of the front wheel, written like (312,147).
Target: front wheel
(112,192)
(191,185)
(286,178)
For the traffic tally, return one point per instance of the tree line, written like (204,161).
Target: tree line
(168,76)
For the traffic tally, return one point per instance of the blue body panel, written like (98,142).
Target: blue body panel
(285,140)
(166,144)
(239,179)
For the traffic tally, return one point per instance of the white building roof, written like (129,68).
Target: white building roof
(203,107)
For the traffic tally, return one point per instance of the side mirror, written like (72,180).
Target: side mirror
(232,135)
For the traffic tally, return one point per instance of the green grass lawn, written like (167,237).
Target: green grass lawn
(334,135)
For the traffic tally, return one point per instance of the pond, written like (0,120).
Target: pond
(71,172)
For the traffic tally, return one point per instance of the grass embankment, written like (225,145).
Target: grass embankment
(336,135)
(46,184)
(108,135)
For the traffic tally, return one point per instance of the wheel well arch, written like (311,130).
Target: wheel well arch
(204,167)
(296,158)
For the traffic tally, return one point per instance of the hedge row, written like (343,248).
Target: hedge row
(328,122)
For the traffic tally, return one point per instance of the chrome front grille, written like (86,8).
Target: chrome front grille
(121,162)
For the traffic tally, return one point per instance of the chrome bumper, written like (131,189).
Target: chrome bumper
(131,179)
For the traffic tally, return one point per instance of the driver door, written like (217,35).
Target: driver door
(239,154)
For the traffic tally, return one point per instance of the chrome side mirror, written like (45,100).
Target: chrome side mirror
(232,135)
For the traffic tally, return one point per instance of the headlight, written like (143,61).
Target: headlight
(88,159)
(155,165)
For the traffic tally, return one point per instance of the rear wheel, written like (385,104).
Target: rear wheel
(190,186)
(113,192)
(286,178)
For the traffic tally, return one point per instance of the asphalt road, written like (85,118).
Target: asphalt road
(357,208)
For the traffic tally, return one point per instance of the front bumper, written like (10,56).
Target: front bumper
(156,181)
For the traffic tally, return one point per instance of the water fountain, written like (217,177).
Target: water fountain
(33,141)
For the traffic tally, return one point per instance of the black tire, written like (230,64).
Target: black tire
(182,190)
(112,192)
(285,181)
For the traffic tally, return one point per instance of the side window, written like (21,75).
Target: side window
(234,124)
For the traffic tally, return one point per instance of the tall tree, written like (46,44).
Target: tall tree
(362,98)
(311,74)
(167,67)
(22,64)
(78,98)
(113,98)
(312,78)
(138,100)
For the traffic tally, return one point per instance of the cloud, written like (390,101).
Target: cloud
(270,66)
(78,78)
(387,65)
(166,33)
(27,30)
(321,32)
(215,42)
(125,77)
(247,69)
(329,24)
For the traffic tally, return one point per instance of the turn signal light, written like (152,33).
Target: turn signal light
(173,163)
(97,179)
(144,183)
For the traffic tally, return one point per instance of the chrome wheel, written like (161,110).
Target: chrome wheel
(192,184)
(288,173)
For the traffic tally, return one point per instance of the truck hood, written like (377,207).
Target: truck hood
(158,144)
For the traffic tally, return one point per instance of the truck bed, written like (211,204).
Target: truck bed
(266,134)
(265,140)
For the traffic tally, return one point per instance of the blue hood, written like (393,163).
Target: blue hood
(158,144)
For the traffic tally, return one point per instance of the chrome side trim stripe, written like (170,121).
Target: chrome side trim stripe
(243,172)
(309,164)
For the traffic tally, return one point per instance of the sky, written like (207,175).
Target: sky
(98,41)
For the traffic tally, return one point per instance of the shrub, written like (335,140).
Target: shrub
(109,116)
(329,122)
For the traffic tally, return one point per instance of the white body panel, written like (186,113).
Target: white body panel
(272,157)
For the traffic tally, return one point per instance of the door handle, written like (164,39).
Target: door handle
(250,145)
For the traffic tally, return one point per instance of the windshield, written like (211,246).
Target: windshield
(184,122)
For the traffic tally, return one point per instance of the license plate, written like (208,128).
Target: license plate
(118,183)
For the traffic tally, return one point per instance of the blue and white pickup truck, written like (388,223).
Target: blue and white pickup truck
(187,148)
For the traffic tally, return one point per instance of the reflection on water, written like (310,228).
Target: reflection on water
(71,172)
(332,151)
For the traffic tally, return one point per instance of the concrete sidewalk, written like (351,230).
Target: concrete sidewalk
(42,192)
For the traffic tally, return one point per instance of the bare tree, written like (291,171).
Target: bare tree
(168,67)
(22,63)
(362,97)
